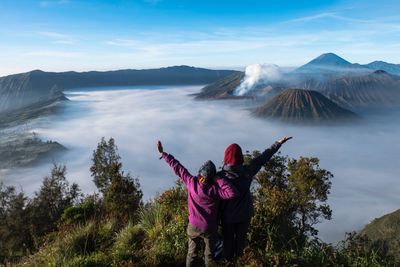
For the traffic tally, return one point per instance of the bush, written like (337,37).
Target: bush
(75,243)
(82,212)
(93,260)
(128,245)
(165,221)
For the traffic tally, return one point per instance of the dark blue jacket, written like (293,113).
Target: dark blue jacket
(241,209)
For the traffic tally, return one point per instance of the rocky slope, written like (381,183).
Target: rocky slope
(377,89)
(296,105)
(43,107)
(223,88)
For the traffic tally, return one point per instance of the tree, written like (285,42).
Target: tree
(55,195)
(14,230)
(290,197)
(122,194)
(106,162)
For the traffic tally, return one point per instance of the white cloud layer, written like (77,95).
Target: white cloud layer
(363,158)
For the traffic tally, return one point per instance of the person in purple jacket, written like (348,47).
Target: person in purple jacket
(204,194)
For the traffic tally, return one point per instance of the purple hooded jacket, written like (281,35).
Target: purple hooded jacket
(203,198)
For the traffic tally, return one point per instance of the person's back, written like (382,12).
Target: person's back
(240,208)
(204,194)
(203,197)
(236,213)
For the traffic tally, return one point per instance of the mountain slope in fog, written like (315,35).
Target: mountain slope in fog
(23,89)
(18,145)
(381,65)
(222,88)
(43,107)
(26,88)
(296,105)
(20,149)
(328,71)
(377,89)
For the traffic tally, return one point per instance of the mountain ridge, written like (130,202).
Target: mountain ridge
(22,89)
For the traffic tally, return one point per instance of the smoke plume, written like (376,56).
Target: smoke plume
(258,74)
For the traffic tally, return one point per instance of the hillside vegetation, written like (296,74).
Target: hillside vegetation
(384,233)
(59,226)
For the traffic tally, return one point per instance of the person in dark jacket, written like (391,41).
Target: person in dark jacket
(204,194)
(236,213)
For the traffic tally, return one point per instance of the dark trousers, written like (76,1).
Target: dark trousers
(196,236)
(235,239)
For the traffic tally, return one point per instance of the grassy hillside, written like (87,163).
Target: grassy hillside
(385,233)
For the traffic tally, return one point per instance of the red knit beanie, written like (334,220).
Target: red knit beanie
(233,155)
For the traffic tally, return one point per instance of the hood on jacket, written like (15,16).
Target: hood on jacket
(208,171)
(233,155)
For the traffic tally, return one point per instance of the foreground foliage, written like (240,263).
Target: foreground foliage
(114,228)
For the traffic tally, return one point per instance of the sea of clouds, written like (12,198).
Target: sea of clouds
(364,158)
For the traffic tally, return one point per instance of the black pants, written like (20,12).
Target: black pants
(235,239)
(195,237)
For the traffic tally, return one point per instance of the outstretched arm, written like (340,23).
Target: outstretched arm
(256,164)
(176,166)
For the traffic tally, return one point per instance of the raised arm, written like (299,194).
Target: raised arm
(256,164)
(176,166)
(226,190)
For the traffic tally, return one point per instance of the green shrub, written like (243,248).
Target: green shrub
(93,260)
(165,221)
(77,242)
(82,212)
(128,244)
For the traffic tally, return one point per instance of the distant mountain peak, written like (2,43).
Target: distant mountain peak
(36,71)
(328,63)
(330,59)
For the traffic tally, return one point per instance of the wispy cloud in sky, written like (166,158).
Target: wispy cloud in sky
(136,34)
(52,54)
(59,38)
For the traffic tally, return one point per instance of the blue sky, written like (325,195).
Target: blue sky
(59,35)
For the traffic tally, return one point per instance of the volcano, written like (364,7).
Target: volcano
(297,105)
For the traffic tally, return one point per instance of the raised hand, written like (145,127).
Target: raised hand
(284,139)
(160,147)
